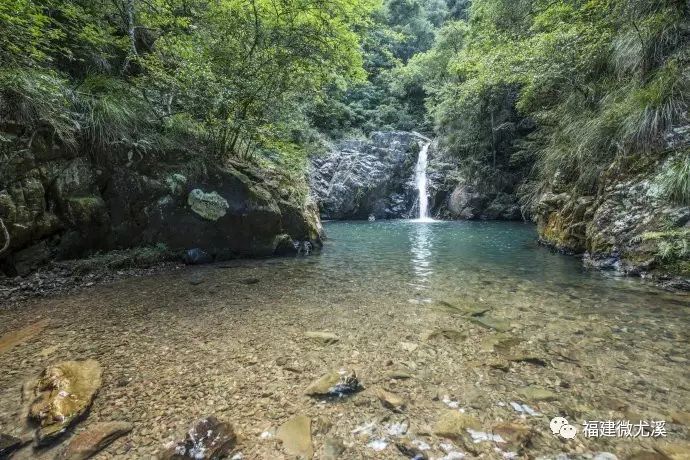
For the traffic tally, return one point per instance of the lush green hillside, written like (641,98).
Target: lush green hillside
(134,76)
(593,80)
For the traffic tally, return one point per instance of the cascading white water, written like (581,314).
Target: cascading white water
(420,181)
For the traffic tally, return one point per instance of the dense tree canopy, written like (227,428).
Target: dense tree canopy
(235,74)
(564,85)
(512,87)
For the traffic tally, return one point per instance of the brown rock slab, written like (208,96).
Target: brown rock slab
(536,393)
(11,339)
(390,400)
(96,438)
(454,424)
(516,435)
(62,395)
(209,438)
(295,435)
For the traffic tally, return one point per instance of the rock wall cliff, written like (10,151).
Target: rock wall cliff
(58,203)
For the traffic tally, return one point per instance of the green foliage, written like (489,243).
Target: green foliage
(672,245)
(38,100)
(131,77)
(392,97)
(675,179)
(596,79)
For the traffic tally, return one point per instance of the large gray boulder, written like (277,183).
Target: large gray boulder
(467,203)
(363,177)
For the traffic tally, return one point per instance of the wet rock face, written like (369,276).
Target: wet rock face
(467,203)
(359,178)
(209,438)
(63,395)
(61,205)
(622,228)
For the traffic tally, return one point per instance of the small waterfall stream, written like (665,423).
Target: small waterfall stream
(421,182)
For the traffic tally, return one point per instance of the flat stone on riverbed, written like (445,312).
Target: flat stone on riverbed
(96,438)
(209,438)
(537,393)
(295,435)
(63,394)
(492,323)
(325,338)
(335,384)
(453,424)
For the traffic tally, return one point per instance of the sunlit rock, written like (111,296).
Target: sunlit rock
(295,434)
(63,394)
(340,383)
(392,401)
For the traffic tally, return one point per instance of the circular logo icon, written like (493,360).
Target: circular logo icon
(557,423)
(568,431)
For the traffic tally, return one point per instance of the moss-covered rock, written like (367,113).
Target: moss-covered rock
(60,205)
(85,211)
(629,226)
(210,206)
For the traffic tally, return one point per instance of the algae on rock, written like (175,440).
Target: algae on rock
(210,206)
(63,394)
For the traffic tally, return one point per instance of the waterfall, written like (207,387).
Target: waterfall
(420,181)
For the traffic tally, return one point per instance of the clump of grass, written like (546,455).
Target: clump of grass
(672,245)
(38,100)
(675,180)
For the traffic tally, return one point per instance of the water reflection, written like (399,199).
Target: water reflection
(421,242)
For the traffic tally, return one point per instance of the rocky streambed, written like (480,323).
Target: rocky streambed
(360,352)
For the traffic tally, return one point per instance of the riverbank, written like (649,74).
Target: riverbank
(443,337)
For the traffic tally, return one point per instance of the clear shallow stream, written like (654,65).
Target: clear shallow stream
(474,315)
